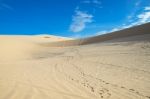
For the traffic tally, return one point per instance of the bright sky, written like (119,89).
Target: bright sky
(71,18)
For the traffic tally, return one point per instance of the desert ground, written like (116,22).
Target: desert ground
(113,69)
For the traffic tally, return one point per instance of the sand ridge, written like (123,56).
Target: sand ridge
(31,68)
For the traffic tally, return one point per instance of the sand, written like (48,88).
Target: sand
(115,69)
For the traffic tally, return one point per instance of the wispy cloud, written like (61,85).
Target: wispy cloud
(101,32)
(147,8)
(92,1)
(145,16)
(140,18)
(136,7)
(83,17)
(5,6)
(79,21)
(96,3)
(107,31)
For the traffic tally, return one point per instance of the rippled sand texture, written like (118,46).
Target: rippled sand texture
(116,69)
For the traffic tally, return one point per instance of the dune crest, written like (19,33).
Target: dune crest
(113,66)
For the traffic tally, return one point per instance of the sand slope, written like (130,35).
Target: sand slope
(116,69)
(134,31)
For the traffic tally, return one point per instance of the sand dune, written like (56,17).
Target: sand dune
(115,66)
(134,31)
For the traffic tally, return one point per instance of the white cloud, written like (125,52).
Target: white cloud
(144,16)
(141,18)
(137,19)
(101,32)
(92,1)
(108,31)
(115,29)
(97,1)
(79,21)
(147,8)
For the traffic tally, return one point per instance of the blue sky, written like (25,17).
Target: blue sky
(71,18)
